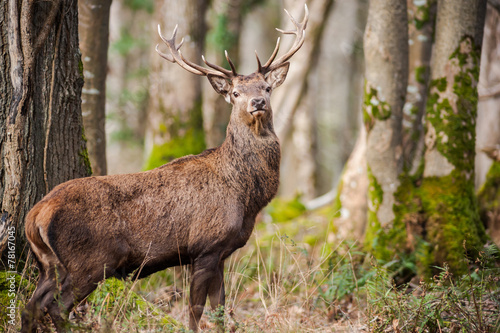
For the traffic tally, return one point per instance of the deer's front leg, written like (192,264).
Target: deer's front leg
(204,270)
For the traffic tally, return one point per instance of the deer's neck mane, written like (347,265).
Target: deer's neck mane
(251,162)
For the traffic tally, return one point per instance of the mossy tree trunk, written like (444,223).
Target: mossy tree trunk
(436,205)
(93,27)
(42,142)
(386,59)
(175,125)
(447,188)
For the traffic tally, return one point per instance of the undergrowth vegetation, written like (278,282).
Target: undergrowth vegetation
(291,277)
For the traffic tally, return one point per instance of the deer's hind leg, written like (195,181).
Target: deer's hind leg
(33,311)
(217,294)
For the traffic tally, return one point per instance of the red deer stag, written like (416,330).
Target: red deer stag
(194,210)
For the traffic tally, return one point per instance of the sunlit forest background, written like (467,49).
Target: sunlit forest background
(387,217)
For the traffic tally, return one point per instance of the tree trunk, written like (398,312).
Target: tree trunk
(42,141)
(422,18)
(175,125)
(127,86)
(297,131)
(93,27)
(338,89)
(224,36)
(386,61)
(488,128)
(447,189)
(350,203)
(338,120)
(488,121)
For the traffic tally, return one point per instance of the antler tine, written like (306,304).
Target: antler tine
(217,68)
(259,66)
(233,69)
(275,52)
(299,33)
(176,56)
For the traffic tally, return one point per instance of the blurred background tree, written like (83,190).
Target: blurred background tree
(93,30)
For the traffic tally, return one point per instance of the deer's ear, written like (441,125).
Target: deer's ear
(220,85)
(278,75)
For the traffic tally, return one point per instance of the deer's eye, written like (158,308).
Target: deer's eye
(235,94)
(268,89)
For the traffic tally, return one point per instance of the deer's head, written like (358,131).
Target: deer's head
(249,94)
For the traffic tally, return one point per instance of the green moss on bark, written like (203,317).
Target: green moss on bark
(422,15)
(375,197)
(452,219)
(454,120)
(383,242)
(374,107)
(449,202)
(440,213)
(421,74)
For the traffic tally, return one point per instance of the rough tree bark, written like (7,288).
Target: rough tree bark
(386,61)
(175,125)
(93,28)
(42,140)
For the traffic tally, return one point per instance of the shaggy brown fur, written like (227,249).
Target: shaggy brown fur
(194,210)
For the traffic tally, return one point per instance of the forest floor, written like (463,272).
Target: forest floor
(295,276)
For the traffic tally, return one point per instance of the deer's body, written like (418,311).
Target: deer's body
(194,210)
(203,205)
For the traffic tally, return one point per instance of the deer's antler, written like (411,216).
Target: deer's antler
(175,56)
(299,33)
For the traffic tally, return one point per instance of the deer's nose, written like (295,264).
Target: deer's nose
(258,103)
